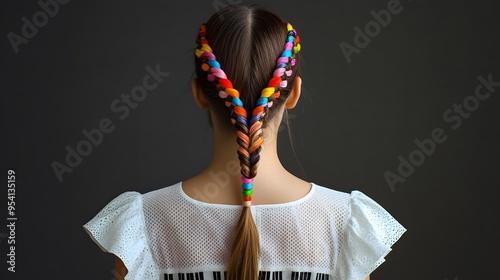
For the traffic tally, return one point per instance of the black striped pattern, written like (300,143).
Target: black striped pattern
(263,275)
(321,276)
(307,276)
(185,276)
(218,275)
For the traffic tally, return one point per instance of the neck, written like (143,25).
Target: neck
(225,153)
(222,176)
(220,182)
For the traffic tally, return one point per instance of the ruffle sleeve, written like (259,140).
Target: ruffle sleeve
(119,228)
(369,234)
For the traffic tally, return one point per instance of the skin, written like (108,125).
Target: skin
(272,176)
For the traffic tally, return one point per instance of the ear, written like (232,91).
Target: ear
(294,95)
(198,95)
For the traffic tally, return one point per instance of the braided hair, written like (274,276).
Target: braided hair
(247,119)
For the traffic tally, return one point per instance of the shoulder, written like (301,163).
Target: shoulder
(127,210)
(166,190)
(169,195)
(332,207)
(354,202)
(327,198)
(356,210)
(119,229)
(330,193)
(124,203)
(365,231)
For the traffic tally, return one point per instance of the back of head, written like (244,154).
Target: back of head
(247,41)
(245,60)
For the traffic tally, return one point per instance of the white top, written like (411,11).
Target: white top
(165,234)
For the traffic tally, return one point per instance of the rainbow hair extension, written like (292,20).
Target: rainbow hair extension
(249,136)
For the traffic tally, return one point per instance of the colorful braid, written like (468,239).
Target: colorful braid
(249,132)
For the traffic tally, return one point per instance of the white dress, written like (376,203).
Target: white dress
(165,234)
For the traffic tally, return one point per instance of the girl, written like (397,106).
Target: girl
(228,222)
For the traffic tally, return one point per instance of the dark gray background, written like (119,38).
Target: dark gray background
(352,123)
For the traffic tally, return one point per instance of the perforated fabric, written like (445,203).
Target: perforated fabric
(119,228)
(165,234)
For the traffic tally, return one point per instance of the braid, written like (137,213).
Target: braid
(268,94)
(232,97)
(249,133)
(243,259)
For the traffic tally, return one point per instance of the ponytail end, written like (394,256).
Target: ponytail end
(244,256)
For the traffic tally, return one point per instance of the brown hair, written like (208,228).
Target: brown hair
(247,41)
